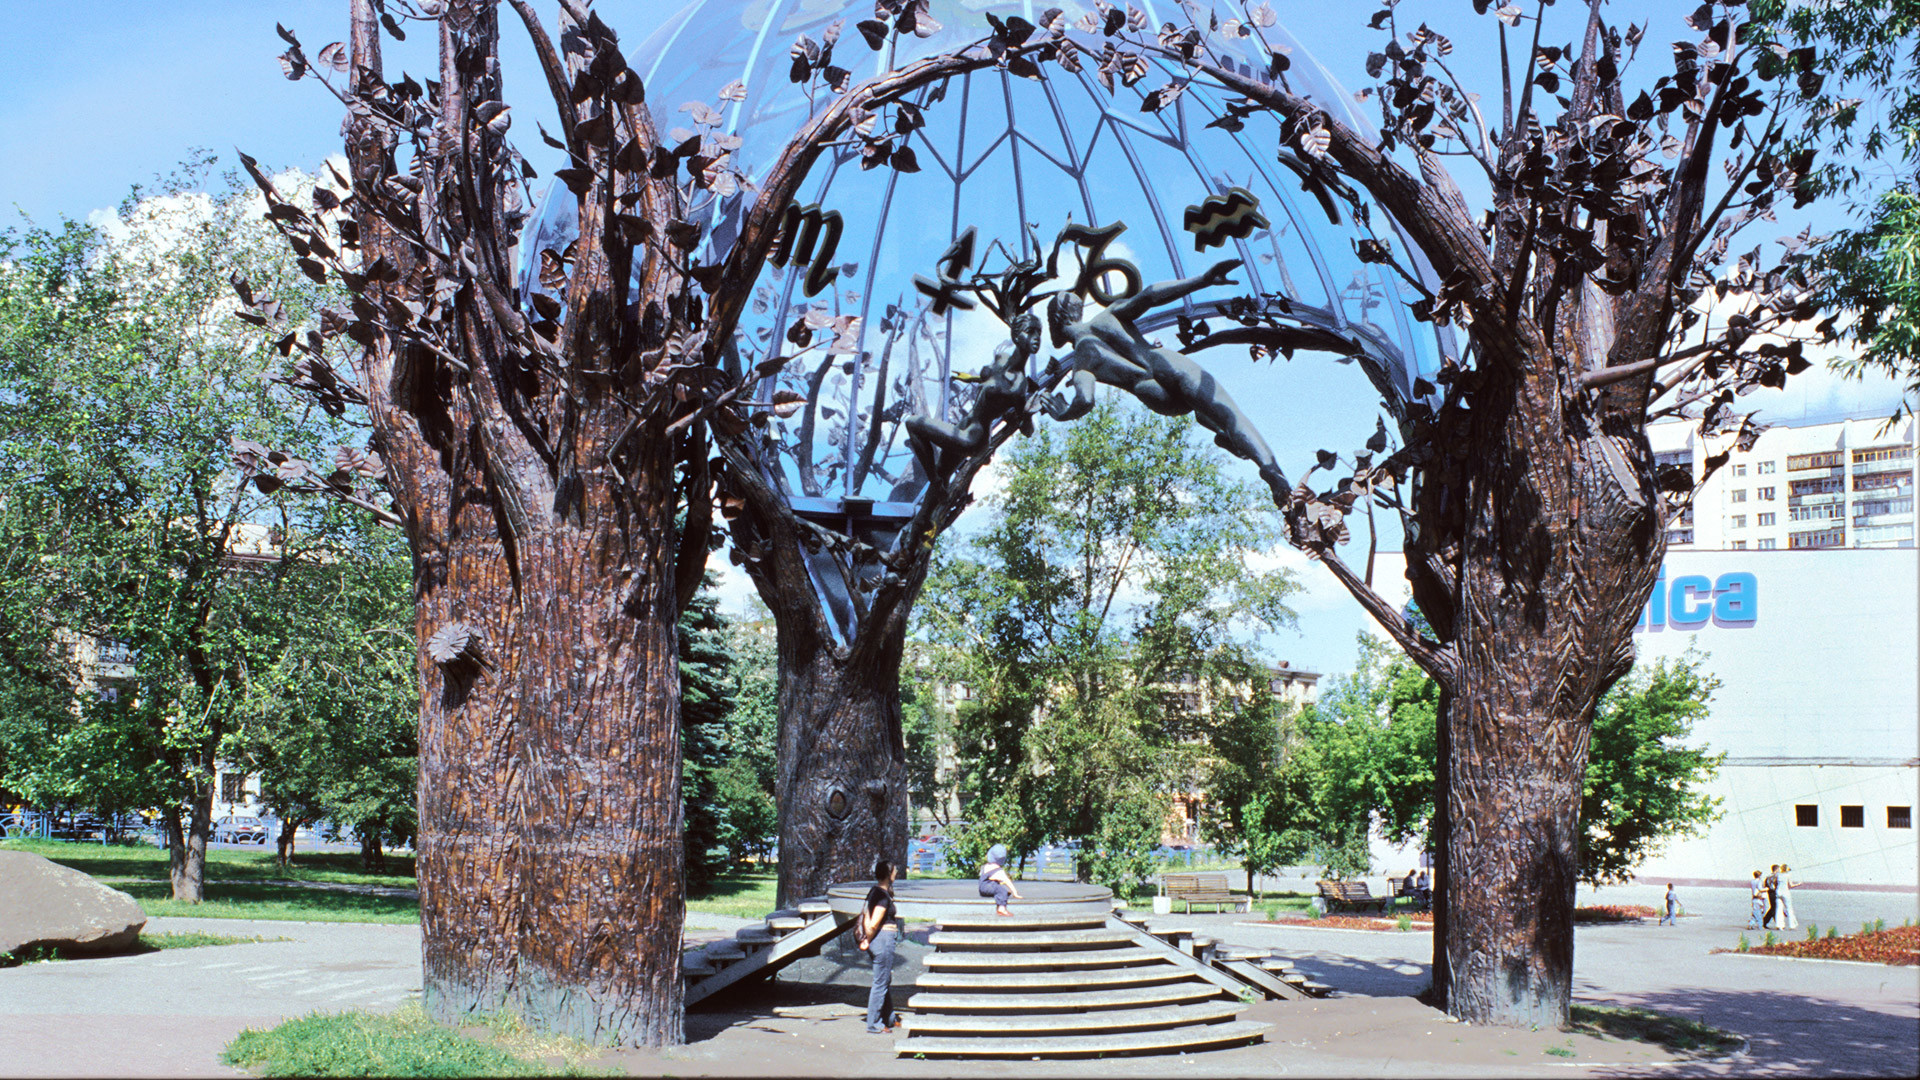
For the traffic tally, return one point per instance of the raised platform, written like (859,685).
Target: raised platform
(932,900)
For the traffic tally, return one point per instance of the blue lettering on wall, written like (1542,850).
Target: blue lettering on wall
(1682,611)
(1733,599)
(1730,601)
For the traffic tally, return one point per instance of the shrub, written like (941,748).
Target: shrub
(1743,946)
(1405,922)
(1832,932)
(1813,932)
(1769,939)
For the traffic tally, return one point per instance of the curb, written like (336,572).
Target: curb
(1804,959)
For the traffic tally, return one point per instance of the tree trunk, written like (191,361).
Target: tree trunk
(549,850)
(841,784)
(371,857)
(283,845)
(1558,558)
(187,845)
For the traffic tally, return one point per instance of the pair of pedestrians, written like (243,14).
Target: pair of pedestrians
(1772,900)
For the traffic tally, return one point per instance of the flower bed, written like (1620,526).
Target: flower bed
(1603,913)
(1421,921)
(1899,945)
(1614,913)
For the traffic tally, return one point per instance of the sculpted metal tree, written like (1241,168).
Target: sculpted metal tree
(546,453)
(1595,294)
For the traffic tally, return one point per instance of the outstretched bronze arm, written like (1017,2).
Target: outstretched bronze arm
(1166,292)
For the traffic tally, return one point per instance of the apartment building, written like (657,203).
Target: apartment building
(1846,484)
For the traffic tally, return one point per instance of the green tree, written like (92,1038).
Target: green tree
(1857,66)
(1643,782)
(331,726)
(123,389)
(706,704)
(1374,744)
(1098,624)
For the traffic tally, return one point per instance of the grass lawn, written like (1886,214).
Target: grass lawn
(238,882)
(403,1043)
(223,864)
(746,894)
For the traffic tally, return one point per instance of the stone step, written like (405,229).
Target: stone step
(1164,1016)
(1126,1042)
(1317,989)
(1274,963)
(815,905)
(693,968)
(722,950)
(1079,959)
(784,913)
(1006,923)
(1027,939)
(1119,998)
(755,936)
(785,924)
(1015,981)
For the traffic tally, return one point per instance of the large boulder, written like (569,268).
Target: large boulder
(48,905)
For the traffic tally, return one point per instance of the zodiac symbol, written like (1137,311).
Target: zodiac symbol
(945,293)
(802,228)
(1219,217)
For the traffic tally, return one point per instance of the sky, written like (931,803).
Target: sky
(100,95)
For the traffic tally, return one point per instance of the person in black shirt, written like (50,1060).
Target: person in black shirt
(879,933)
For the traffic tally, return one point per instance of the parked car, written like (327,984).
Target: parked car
(240,830)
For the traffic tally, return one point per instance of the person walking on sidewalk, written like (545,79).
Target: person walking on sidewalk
(1673,907)
(1772,885)
(879,933)
(1759,902)
(1785,892)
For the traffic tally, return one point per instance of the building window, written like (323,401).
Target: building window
(1766,467)
(1766,545)
(1737,521)
(1899,817)
(1739,545)
(1764,494)
(1830,538)
(1737,495)
(1806,816)
(1739,470)
(233,788)
(1826,459)
(1765,519)
(1853,817)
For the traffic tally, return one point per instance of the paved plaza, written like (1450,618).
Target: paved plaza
(170,1013)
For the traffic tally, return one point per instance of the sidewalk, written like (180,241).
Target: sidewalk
(169,1014)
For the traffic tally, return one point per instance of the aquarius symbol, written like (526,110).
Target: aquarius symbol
(1219,217)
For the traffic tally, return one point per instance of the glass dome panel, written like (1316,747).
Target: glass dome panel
(1007,156)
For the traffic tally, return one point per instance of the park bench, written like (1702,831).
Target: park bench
(1351,894)
(1191,889)
(1416,897)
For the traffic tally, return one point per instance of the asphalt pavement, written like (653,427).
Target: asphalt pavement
(169,1013)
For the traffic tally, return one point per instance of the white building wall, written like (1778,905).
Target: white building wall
(1819,704)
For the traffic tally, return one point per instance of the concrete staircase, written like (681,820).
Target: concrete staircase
(1068,986)
(780,939)
(1259,971)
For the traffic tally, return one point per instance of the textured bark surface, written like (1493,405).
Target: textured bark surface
(842,780)
(546,457)
(1533,512)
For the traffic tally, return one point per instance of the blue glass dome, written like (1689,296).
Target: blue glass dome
(1004,155)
